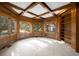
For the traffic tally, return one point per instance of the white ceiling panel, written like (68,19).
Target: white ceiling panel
(17,10)
(54,5)
(38,9)
(21,4)
(28,15)
(47,15)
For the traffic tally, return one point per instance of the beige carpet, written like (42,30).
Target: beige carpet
(39,47)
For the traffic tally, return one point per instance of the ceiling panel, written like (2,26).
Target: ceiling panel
(17,10)
(38,9)
(47,15)
(28,15)
(21,4)
(54,5)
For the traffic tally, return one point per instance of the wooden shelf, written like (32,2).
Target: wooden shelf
(65,29)
(65,34)
(65,23)
(66,38)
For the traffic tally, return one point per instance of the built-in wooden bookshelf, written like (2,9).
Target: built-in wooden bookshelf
(65,30)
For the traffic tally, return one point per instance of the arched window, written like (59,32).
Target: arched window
(25,27)
(52,28)
(37,27)
(7,25)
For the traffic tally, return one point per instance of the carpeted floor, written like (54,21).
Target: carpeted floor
(39,47)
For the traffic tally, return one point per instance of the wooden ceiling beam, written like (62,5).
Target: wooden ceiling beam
(38,18)
(33,4)
(63,7)
(44,13)
(45,6)
(12,5)
(7,12)
(32,13)
(7,7)
(64,11)
(30,6)
(35,15)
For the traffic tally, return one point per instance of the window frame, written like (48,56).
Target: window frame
(9,28)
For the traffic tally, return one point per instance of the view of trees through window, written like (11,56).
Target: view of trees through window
(50,28)
(7,26)
(37,27)
(25,27)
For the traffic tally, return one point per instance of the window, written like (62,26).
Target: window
(25,27)
(50,28)
(6,25)
(37,27)
(12,26)
(3,25)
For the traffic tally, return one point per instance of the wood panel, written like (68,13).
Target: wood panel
(65,30)
(54,20)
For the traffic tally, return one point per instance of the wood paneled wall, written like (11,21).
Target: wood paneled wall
(52,20)
(75,26)
(7,40)
(65,29)
(72,26)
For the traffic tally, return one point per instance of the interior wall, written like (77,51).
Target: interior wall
(52,20)
(38,33)
(7,40)
(75,26)
(65,31)
(22,35)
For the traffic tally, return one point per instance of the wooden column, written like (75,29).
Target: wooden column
(75,26)
(58,27)
(17,28)
(9,26)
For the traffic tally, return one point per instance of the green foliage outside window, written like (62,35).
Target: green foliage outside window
(50,27)
(25,27)
(37,27)
(6,25)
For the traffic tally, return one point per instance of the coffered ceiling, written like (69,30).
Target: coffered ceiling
(37,9)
